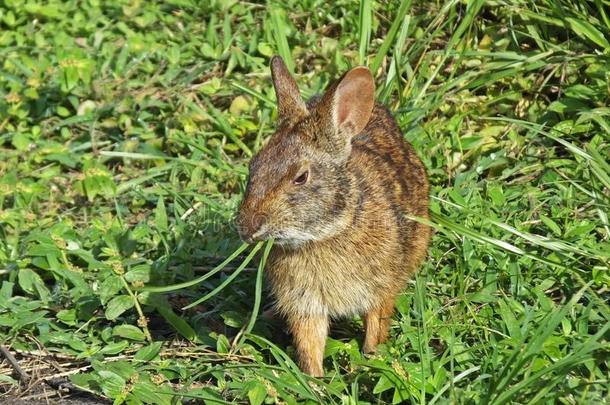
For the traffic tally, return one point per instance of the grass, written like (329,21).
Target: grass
(125,132)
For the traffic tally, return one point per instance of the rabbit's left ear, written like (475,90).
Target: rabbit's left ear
(347,106)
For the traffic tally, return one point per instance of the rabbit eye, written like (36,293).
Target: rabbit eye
(302,178)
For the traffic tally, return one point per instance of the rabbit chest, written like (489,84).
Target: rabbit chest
(330,280)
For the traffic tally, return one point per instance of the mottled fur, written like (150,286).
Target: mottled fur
(345,240)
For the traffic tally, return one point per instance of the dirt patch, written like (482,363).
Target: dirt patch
(47,395)
(44,393)
(41,377)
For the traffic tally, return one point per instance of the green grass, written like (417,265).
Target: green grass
(125,132)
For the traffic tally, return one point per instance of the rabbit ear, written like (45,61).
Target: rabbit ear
(347,106)
(290,105)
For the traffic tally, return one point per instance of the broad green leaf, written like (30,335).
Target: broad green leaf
(586,30)
(110,287)
(111,383)
(31,282)
(552,225)
(129,332)
(161,215)
(256,393)
(148,393)
(114,348)
(147,353)
(117,305)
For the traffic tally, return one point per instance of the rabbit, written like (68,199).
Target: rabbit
(337,187)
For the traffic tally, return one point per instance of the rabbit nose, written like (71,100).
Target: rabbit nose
(251,228)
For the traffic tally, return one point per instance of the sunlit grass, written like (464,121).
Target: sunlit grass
(125,133)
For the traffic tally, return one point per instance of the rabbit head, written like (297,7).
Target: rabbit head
(299,188)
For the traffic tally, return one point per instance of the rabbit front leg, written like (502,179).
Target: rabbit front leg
(377,325)
(309,334)
(371,330)
(385,320)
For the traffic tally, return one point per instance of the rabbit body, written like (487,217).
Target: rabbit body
(337,186)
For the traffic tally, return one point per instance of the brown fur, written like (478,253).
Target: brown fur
(346,243)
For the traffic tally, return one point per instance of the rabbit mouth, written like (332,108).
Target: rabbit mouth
(292,238)
(287,237)
(282,237)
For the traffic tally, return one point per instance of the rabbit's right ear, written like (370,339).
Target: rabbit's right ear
(290,104)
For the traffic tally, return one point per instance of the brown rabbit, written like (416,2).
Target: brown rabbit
(337,187)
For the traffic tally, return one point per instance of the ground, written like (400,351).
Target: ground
(125,133)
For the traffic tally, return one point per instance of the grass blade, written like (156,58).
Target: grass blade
(364,29)
(228,280)
(258,292)
(389,39)
(198,280)
(278,25)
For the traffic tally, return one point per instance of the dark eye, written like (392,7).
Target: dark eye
(302,178)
